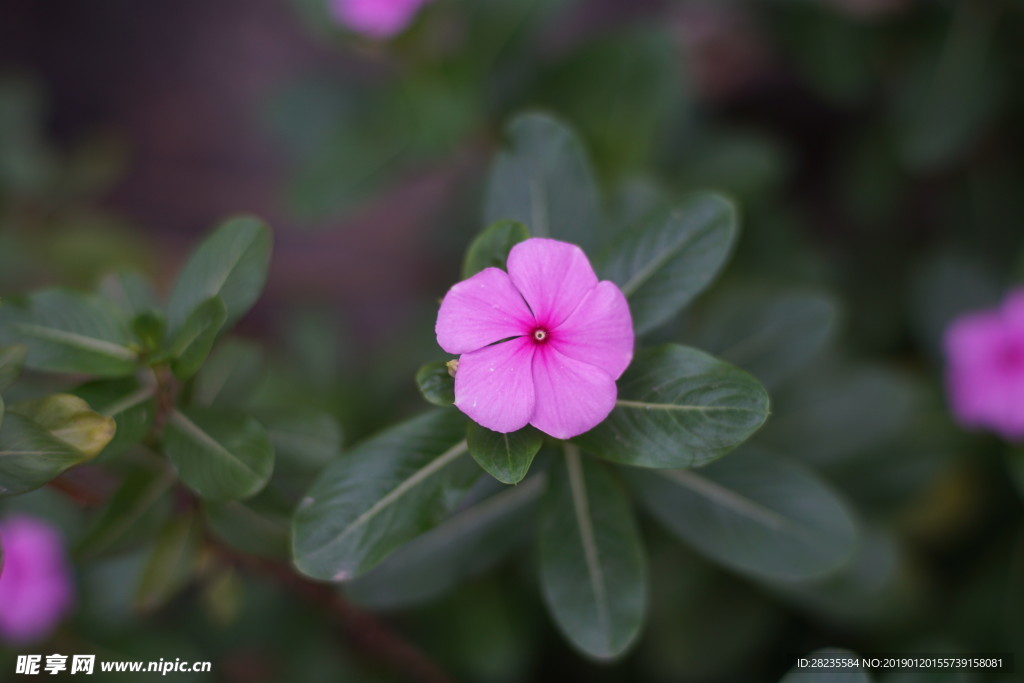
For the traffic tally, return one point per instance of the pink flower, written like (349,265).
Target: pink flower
(376,18)
(985,373)
(541,345)
(36,590)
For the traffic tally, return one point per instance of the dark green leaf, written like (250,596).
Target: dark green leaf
(171,564)
(542,179)
(771,335)
(68,331)
(436,384)
(506,457)
(678,407)
(12,358)
(664,264)
(258,526)
(231,374)
(71,420)
(220,455)
(592,567)
(303,440)
(382,494)
(149,328)
(131,404)
(192,342)
(758,514)
(131,290)
(231,263)
(467,543)
(133,514)
(30,456)
(490,248)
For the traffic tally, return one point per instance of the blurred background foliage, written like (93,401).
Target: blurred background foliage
(873,145)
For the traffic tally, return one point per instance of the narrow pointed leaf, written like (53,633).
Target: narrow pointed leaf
(755,513)
(231,263)
(194,338)
(490,248)
(436,384)
(220,455)
(12,358)
(678,407)
(506,457)
(670,259)
(171,564)
(382,494)
(592,566)
(467,543)
(30,456)
(231,374)
(132,515)
(67,331)
(543,180)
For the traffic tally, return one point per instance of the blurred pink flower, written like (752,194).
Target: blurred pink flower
(542,344)
(375,18)
(36,590)
(985,368)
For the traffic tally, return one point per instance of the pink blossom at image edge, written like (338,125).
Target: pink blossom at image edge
(985,368)
(36,590)
(375,18)
(541,344)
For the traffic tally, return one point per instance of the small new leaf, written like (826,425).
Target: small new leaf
(506,457)
(437,384)
(490,248)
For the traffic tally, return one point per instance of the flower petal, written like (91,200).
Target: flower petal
(552,276)
(494,386)
(599,332)
(572,397)
(479,311)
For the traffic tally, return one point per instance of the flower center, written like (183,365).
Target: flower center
(540,335)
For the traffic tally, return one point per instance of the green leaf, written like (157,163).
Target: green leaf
(772,335)
(132,514)
(465,544)
(171,564)
(220,455)
(231,375)
(506,457)
(490,248)
(71,420)
(67,331)
(30,456)
(258,526)
(12,358)
(149,328)
(666,262)
(437,384)
(758,514)
(382,494)
(192,342)
(678,407)
(131,404)
(131,290)
(592,566)
(542,179)
(303,440)
(231,263)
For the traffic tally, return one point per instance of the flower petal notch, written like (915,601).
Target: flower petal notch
(985,368)
(541,344)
